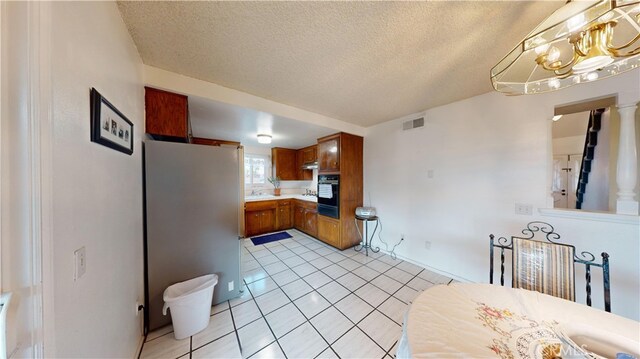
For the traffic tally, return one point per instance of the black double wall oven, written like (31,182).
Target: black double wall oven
(329,195)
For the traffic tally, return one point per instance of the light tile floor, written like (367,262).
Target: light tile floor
(304,299)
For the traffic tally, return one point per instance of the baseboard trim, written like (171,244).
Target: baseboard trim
(435,270)
(139,350)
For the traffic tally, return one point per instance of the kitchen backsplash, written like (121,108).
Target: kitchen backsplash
(288,187)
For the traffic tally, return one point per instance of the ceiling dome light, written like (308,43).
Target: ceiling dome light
(266,139)
(556,118)
(580,37)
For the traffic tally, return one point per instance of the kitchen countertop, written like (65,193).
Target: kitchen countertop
(270,197)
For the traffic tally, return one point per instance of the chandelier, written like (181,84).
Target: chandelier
(583,41)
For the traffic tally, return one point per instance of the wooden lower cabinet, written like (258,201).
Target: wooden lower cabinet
(298,217)
(311,222)
(329,230)
(252,222)
(258,222)
(267,223)
(305,217)
(283,215)
(277,215)
(259,217)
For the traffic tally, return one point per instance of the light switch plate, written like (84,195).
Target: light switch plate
(80,256)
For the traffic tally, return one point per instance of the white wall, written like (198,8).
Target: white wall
(97,192)
(488,153)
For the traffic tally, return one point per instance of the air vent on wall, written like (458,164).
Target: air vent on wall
(408,125)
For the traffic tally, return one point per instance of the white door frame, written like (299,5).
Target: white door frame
(39,133)
(45,180)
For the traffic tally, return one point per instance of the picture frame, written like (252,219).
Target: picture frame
(109,127)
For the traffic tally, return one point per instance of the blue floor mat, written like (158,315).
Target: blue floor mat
(270,238)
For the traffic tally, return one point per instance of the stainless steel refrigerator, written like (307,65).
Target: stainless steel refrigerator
(192,206)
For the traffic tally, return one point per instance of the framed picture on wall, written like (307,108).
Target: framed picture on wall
(109,127)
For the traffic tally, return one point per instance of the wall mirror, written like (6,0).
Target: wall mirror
(585,139)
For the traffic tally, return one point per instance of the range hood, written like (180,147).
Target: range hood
(310,165)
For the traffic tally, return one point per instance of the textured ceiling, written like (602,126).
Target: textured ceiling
(360,62)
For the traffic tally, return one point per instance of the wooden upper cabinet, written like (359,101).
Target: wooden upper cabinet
(287,163)
(329,154)
(309,154)
(305,155)
(300,173)
(167,115)
(284,163)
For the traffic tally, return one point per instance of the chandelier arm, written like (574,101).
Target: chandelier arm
(636,38)
(581,40)
(563,76)
(578,51)
(628,54)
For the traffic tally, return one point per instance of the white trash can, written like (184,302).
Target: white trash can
(190,304)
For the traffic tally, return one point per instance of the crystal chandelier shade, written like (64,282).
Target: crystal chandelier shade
(582,41)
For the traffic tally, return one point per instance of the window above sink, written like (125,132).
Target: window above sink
(257,168)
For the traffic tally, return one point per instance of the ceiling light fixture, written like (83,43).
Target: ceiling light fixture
(556,118)
(594,39)
(262,138)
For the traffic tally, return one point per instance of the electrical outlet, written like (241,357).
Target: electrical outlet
(524,209)
(80,260)
(430,173)
(427,244)
(230,285)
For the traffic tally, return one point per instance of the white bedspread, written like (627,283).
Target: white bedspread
(489,321)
